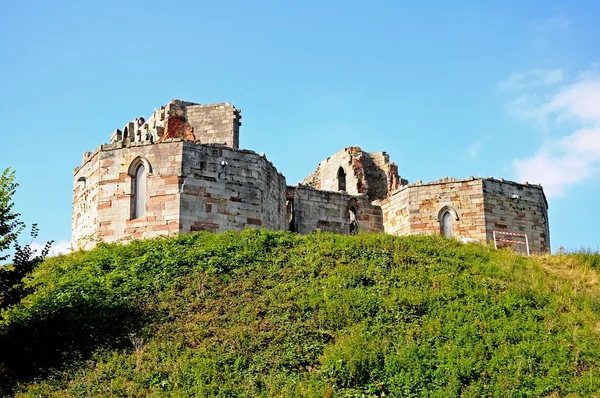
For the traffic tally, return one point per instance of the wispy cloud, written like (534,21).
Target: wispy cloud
(571,158)
(553,23)
(474,148)
(531,79)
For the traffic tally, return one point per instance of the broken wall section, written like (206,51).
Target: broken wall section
(208,124)
(356,172)
(381,175)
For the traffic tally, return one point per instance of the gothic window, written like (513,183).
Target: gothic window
(341,177)
(447,221)
(139,192)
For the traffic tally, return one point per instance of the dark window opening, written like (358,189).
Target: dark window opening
(353,220)
(341,177)
(291,215)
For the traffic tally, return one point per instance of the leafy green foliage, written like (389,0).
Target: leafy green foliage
(25,259)
(10,226)
(261,313)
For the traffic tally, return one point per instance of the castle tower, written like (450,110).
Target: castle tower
(180,170)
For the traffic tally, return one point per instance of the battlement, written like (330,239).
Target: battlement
(207,124)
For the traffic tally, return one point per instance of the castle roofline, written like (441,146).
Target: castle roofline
(451,180)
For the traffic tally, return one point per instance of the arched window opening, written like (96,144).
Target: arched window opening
(139,192)
(447,221)
(341,177)
(352,213)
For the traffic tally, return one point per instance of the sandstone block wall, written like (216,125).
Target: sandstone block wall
(416,208)
(396,213)
(517,208)
(481,205)
(329,211)
(426,201)
(215,123)
(109,169)
(225,189)
(84,217)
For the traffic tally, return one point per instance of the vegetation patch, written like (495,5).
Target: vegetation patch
(271,314)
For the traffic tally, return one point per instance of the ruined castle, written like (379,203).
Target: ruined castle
(182,170)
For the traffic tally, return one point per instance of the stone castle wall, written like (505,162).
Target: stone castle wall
(110,174)
(215,124)
(226,189)
(481,206)
(190,187)
(84,218)
(329,211)
(519,208)
(396,213)
(464,198)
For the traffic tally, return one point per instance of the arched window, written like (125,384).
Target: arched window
(447,221)
(139,192)
(341,177)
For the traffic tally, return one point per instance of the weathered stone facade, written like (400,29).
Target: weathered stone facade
(182,170)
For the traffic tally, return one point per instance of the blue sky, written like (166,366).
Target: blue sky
(505,89)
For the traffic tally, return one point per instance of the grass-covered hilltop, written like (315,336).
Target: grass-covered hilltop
(275,314)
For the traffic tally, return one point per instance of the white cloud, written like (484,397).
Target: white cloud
(563,161)
(62,247)
(580,101)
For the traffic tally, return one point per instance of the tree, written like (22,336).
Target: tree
(10,226)
(25,259)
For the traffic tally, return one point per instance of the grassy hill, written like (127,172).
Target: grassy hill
(271,314)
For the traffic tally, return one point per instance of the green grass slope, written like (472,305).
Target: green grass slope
(275,314)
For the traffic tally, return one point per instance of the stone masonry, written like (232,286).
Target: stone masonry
(182,170)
